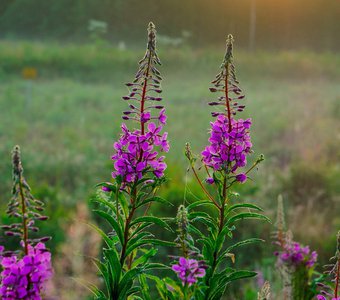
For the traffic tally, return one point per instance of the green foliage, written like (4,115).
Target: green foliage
(215,252)
(130,245)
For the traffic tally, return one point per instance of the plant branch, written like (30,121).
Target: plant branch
(203,188)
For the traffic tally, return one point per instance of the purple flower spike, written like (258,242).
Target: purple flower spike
(137,150)
(295,254)
(228,147)
(25,278)
(136,154)
(188,270)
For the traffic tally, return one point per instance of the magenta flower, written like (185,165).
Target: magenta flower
(145,117)
(241,177)
(136,155)
(162,117)
(188,270)
(210,180)
(26,277)
(228,147)
(295,254)
(105,189)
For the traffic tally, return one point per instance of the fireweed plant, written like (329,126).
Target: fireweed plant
(295,262)
(138,173)
(205,274)
(331,290)
(26,270)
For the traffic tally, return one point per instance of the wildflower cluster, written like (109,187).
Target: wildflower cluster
(188,270)
(26,270)
(230,141)
(295,262)
(228,148)
(190,266)
(25,277)
(135,154)
(135,151)
(295,254)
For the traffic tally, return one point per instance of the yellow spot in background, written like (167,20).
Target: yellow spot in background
(29,73)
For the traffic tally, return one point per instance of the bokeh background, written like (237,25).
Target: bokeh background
(63,65)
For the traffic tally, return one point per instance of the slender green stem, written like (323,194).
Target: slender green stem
(24,216)
(145,213)
(185,292)
(127,227)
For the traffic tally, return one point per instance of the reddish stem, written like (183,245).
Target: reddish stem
(203,188)
(227,96)
(144,91)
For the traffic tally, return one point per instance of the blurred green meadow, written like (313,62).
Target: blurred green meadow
(67,119)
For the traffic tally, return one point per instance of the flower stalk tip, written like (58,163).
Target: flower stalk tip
(229,50)
(16,161)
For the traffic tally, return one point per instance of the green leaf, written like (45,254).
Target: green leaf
(144,258)
(152,266)
(107,240)
(203,214)
(245,242)
(243,205)
(137,241)
(115,268)
(211,225)
(221,238)
(200,203)
(161,243)
(140,228)
(246,215)
(237,275)
(153,220)
(154,199)
(112,221)
(106,203)
(103,270)
(144,287)
(127,281)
